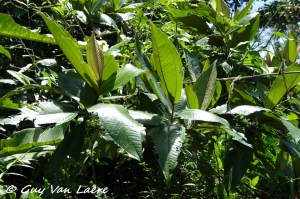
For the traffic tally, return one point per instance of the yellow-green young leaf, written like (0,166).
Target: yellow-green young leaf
(290,49)
(205,86)
(268,60)
(191,97)
(94,57)
(238,16)
(110,67)
(70,48)
(9,28)
(221,6)
(168,64)
(206,65)
(278,89)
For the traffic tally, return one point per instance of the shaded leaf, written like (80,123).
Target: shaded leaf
(71,145)
(73,84)
(168,140)
(236,162)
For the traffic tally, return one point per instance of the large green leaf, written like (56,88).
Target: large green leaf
(205,86)
(9,28)
(278,89)
(72,83)
(192,114)
(120,78)
(121,127)
(149,78)
(30,139)
(94,57)
(71,145)
(194,66)
(236,162)
(189,21)
(168,140)
(44,113)
(167,64)
(70,48)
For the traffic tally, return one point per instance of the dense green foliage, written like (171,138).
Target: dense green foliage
(133,99)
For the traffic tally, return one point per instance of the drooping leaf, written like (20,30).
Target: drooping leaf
(29,139)
(243,22)
(121,127)
(147,118)
(245,110)
(192,114)
(95,59)
(71,145)
(191,97)
(6,102)
(73,84)
(21,77)
(278,89)
(236,162)
(189,21)
(97,5)
(120,78)
(294,131)
(205,85)
(9,28)
(245,33)
(167,64)
(168,140)
(104,19)
(70,48)
(44,113)
(194,66)
(5,52)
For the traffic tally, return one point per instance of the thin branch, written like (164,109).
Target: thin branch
(256,76)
